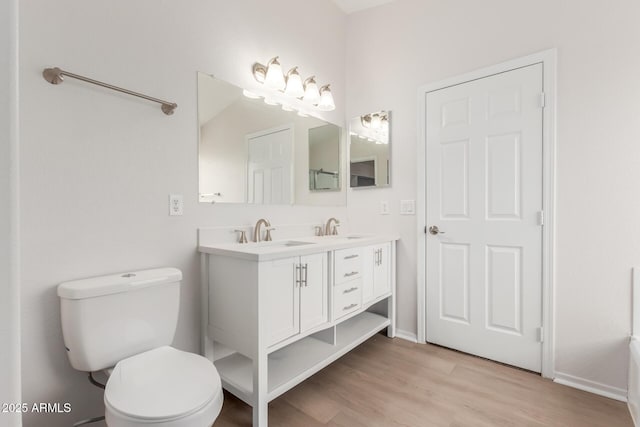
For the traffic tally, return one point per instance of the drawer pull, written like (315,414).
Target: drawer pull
(348,291)
(351,256)
(353,273)
(350,306)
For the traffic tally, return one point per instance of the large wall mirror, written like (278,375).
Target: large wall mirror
(251,152)
(370,150)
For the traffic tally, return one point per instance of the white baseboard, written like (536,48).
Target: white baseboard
(633,417)
(409,336)
(591,386)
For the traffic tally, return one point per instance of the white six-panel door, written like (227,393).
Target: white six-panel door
(269,166)
(484,195)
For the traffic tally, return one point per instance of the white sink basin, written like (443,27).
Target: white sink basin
(348,237)
(283,243)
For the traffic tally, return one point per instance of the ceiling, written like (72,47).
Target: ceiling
(350,6)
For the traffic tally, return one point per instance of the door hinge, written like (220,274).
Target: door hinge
(425,229)
(540,334)
(542,100)
(541,218)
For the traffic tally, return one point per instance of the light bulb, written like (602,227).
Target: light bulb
(311,92)
(274,78)
(294,83)
(326,99)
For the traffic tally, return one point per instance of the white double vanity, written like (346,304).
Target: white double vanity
(275,313)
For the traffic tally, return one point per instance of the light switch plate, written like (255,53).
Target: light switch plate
(175,204)
(407,207)
(384,207)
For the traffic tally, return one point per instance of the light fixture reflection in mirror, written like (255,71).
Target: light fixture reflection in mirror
(250,152)
(370,150)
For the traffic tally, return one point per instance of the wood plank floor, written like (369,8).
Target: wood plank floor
(392,382)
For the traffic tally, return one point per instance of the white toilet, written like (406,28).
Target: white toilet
(126,322)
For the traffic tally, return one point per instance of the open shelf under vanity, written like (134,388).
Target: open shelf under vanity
(296,362)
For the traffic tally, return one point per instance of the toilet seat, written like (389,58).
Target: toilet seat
(163,387)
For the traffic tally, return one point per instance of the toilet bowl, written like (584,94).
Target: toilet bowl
(126,322)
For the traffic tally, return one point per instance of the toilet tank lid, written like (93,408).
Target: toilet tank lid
(117,283)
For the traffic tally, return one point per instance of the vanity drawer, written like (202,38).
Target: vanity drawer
(347,265)
(347,298)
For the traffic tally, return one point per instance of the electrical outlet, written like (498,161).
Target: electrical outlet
(384,207)
(407,207)
(175,204)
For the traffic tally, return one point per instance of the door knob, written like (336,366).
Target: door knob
(435,230)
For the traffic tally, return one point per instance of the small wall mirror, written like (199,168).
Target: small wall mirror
(324,158)
(251,152)
(370,150)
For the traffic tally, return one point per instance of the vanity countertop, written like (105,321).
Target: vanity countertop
(265,251)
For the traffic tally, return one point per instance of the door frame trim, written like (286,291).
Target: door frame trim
(548,59)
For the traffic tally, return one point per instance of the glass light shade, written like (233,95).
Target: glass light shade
(376,122)
(311,92)
(274,78)
(326,100)
(294,84)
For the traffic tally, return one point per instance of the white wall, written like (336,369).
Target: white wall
(598,226)
(97,166)
(9,290)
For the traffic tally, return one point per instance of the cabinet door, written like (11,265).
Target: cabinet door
(314,298)
(282,306)
(368,264)
(381,270)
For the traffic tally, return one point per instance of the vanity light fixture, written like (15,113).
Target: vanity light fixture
(375,120)
(289,90)
(375,127)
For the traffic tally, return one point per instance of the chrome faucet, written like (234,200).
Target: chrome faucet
(328,230)
(257,236)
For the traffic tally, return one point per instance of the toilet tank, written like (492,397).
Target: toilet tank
(109,318)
